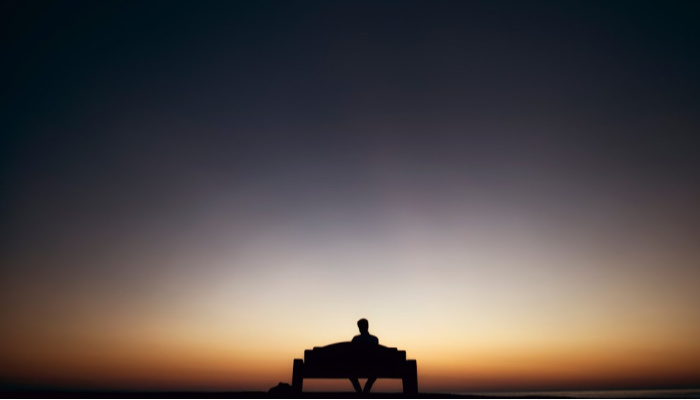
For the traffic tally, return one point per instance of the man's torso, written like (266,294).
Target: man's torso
(369,339)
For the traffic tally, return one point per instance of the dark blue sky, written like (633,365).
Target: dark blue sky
(117,108)
(133,110)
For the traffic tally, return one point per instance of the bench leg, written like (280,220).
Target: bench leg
(410,378)
(298,375)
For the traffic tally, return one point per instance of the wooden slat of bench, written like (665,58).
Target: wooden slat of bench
(379,356)
(346,375)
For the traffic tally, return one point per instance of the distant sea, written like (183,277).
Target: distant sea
(599,394)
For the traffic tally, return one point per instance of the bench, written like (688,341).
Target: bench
(353,360)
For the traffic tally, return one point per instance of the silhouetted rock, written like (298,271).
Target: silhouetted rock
(282,389)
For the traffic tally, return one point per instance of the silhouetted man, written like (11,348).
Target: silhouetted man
(364,338)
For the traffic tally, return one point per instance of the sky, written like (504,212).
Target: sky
(193,193)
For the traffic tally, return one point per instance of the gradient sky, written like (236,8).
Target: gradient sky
(195,192)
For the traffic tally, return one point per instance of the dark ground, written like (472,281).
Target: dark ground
(61,394)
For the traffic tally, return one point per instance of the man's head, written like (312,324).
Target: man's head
(363,325)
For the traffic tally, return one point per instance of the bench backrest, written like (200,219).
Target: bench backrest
(346,359)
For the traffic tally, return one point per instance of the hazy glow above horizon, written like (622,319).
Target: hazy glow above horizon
(490,292)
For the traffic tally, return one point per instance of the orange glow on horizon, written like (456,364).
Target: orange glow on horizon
(202,364)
